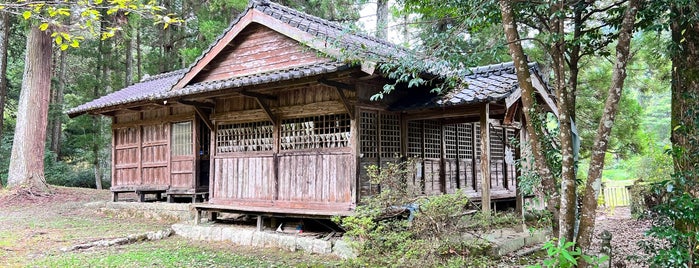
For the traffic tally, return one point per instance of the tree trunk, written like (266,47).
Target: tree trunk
(96,152)
(528,101)
(57,106)
(139,72)
(27,159)
(685,94)
(129,45)
(604,130)
(382,19)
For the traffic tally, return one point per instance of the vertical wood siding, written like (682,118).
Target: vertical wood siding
(154,154)
(321,178)
(244,178)
(126,172)
(258,49)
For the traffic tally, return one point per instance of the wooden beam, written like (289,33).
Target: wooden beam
(485,159)
(257,95)
(345,102)
(336,84)
(197,104)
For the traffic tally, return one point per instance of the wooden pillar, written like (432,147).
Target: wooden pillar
(485,159)
(505,170)
(212,160)
(354,143)
(474,161)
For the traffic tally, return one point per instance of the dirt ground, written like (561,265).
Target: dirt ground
(34,229)
(626,233)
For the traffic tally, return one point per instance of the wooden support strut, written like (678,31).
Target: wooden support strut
(267,110)
(339,87)
(198,109)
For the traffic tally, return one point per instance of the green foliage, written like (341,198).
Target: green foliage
(561,254)
(70,22)
(676,223)
(384,238)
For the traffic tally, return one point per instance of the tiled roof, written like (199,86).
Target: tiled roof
(256,79)
(486,83)
(158,87)
(137,92)
(331,32)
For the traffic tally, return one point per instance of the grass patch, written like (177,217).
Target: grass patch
(616,174)
(178,252)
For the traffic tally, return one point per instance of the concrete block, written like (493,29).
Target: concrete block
(343,249)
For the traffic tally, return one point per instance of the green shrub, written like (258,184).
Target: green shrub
(384,238)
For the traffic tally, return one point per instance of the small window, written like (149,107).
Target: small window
(182,138)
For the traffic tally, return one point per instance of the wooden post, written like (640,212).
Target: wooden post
(259,223)
(485,159)
(505,170)
(474,161)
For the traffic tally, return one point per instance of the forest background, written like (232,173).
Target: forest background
(78,149)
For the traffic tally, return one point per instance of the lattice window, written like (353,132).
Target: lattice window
(497,145)
(390,135)
(415,139)
(324,131)
(510,134)
(369,140)
(433,139)
(181,143)
(244,137)
(451,141)
(477,127)
(465,133)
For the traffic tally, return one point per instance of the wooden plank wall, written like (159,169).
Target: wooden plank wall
(244,178)
(258,49)
(154,154)
(126,162)
(289,173)
(323,178)
(141,149)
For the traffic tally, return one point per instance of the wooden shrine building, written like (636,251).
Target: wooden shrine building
(267,120)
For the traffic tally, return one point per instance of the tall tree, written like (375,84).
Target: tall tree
(604,130)
(46,27)
(27,161)
(685,89)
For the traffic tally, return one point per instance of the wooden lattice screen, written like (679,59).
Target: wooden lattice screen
(324,131)
(369,140)
(415,139)
(390,135)
(181,138)
(465,140)
(244,137)
(433,139)
(497,143)
(450,142)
